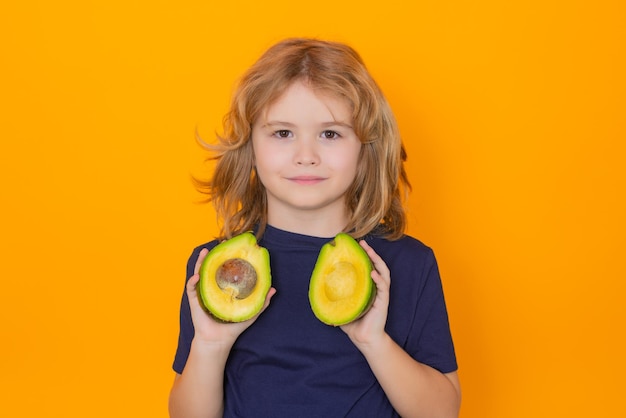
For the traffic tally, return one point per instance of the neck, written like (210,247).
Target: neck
(313,224)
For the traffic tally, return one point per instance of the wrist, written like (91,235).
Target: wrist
(215,349)
(377,346)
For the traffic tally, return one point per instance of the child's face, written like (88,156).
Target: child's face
(306,154)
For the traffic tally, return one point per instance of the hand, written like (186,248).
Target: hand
(370,329)
(207,329)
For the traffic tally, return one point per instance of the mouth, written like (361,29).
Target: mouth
(306,180)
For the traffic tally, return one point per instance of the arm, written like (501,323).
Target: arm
(414,389)
(198,392)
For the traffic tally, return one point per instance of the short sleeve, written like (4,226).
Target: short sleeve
(186,331)
(430,340)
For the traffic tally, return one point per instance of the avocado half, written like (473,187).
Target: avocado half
(341,289)
(235,278)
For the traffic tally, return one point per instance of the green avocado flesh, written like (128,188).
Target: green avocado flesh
(235,278)
(341,289)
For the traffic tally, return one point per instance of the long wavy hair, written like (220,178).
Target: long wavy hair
(375,198)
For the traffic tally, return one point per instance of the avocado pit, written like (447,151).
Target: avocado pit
(237,277)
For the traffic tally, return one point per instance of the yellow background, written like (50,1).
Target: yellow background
(513,114)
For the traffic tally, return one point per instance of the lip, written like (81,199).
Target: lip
(306,180)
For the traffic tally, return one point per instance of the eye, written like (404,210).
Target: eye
(282,133)
(330,135)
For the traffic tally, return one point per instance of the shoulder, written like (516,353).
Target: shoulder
(195,253)
(407,249)
(412,263)
(208,245)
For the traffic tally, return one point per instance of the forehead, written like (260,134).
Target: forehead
(300,100)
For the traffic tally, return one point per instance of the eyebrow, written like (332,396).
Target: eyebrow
(289,124)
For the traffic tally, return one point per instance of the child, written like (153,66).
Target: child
(311,149)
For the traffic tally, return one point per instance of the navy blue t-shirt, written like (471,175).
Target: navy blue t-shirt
(289,364)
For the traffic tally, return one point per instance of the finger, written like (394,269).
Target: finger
(382,286)
(378,279)
(379,264)
(191,286)
(192,295)
(200,259)
(269,296)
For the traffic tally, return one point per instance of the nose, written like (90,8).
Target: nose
(307,153)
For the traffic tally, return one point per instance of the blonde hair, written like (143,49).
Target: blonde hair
(375,198)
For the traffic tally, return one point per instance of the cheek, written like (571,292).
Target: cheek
(259,153)
(347,160)
(267,162)
(267,159)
